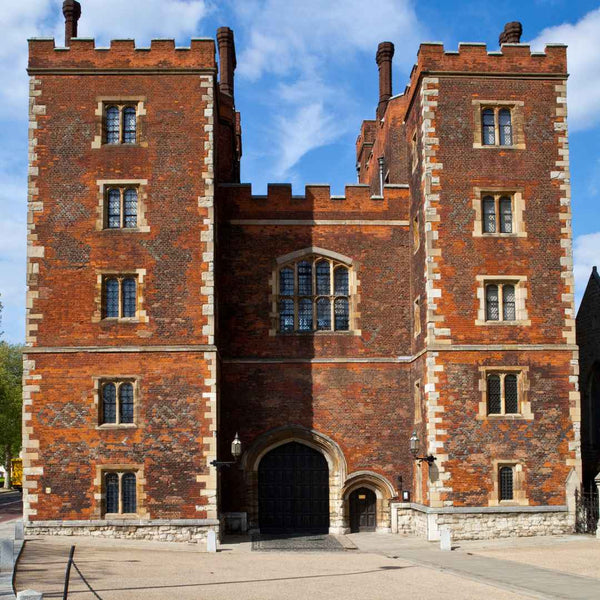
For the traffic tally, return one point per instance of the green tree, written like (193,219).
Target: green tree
(11,372)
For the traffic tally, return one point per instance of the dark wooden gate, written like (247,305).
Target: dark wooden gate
(363,510)
(293,490)
(586,509)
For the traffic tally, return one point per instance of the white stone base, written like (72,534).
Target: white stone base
(182,530)
(481,523)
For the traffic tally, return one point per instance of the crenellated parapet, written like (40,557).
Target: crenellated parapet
(236,201)
(83,54)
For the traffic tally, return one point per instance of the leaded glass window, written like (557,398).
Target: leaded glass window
(117,402)
(129,122)
(497,214)
(503,394)
(500,302)
(494,397)
(506,215)
(114,208)
(121,207)
(120,492)
(511,394)
(489,215)
(119,297)
(128,493)
(109,403)
(506,483)
(130,207)
(508,303)
(120,124)
(488,126)
(313,295)
(491,303)
(111,298)
(113,125)
(505,127)
(496,127)
(111,483)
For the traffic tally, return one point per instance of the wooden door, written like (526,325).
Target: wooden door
(363,510)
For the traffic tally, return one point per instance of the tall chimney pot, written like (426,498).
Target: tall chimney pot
(511,34)
(227,60)
(385,53)
(72,11)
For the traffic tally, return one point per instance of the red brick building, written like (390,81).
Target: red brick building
(429,308)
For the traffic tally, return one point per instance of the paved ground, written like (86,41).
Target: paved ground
(383,567)
(11,505)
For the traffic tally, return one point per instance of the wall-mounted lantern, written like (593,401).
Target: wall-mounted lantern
(414,450)
(236,452)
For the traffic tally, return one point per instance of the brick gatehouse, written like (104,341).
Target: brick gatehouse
(169,308)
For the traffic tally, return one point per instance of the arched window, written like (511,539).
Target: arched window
(129,121)
(506,215)
(489,214)
(506,483)
(491,303)
(111,483)
(120,491)
(494,396)
(119,297)
(126,402)
(508,303)
(314,295)
(488,126)
(109,403)
(505,127)
(128,493)
(111,297)
(121,207)
(113,125)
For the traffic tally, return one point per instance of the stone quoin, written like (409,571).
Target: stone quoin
(169,308)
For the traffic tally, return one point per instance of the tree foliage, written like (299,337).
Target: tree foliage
(11,372)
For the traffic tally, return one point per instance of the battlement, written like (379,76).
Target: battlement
(236,201)
(82,54)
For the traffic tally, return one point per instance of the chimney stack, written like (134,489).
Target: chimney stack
(511,34)
(385,53)
(72,12)
(227,61)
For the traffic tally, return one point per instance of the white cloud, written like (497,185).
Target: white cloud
(586,254)
(308,46)
(583,64)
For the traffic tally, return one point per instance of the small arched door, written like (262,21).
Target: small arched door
(363,510)
(293,490)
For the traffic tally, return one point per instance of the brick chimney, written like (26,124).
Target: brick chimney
(511,34)
(227,61)
(72,12)
(385,53)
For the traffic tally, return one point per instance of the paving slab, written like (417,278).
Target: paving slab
(505,574)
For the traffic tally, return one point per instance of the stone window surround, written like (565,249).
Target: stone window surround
(416,224)
(520,283)
(101,213)
(99,381)
(353,293)
(414,152)
(103,102)
(417,317)
(519,496)
(517,122)
(518,208)
(101,275)
(522,374)
(100,492)
(418,398)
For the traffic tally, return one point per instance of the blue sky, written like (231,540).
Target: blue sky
(306,78)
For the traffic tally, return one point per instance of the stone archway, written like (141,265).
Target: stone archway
(295,433)
(384,492)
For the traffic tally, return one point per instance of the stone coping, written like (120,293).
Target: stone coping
(125,523)
(449,510)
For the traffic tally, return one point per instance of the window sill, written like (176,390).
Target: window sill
(119,516)
(526,323)
(498,147)
(317,333)
(112,426)
(120,320)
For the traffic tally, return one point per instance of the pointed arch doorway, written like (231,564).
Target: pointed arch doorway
(293,490)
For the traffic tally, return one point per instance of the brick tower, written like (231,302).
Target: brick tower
(396,359)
